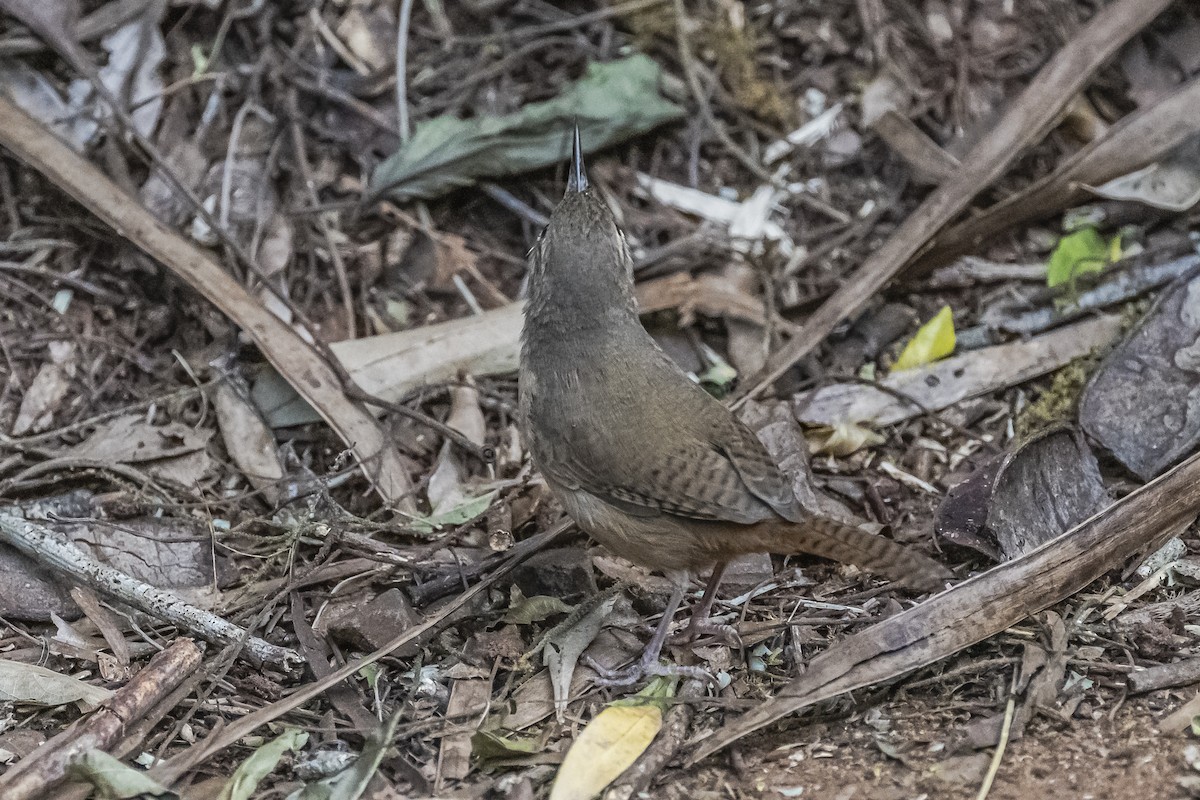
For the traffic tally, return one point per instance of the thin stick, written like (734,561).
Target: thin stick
(402,69)
(998,756)
(693,80)
(40,544)
(984,605)
(45,768)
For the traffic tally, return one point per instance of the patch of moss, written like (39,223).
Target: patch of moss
(734,50)
(1058,402)
(730,49)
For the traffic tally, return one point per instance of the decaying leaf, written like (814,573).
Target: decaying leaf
(1143,403)
(114,779)
(842,439)
(29,683)
(1172,184)
(524,610)
(135,52)
(562,649)
(611,103)
(350,783)
(609,744)
(468,697)
(48,389)
(249,441)
(1036,492)
(130,439)
(33,91)
(933,341)
(533,700)
(260,764)
(172,451)
(489,745)
(467,509)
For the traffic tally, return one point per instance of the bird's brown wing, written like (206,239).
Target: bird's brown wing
(733,481)
(758,471)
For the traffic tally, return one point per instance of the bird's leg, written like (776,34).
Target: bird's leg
(700,623)
(648,665)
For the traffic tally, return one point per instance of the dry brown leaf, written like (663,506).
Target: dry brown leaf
(48,389)
(130,439)
(710,295)
(450,257)
(469,697)
(249,441)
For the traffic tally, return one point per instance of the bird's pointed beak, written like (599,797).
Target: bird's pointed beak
(577,178)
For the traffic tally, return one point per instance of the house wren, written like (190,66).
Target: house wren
(640,456)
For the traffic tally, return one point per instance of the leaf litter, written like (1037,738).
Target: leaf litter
(132,414)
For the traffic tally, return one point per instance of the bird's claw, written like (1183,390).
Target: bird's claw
(644,668)
(695,630)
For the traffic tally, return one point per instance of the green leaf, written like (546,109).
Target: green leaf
(371,673)
(656,693)
(260,764)
(934,340)
(490,746)
(114,779)
(613,102)
(29,683)
(525,610)
(464,512)
(1078,254)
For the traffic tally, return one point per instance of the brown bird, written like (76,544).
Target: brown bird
(639,455)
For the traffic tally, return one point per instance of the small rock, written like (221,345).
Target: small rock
(562,572)
(369,623)
(32,593)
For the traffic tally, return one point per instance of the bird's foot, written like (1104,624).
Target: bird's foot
(700,628)
(644,668)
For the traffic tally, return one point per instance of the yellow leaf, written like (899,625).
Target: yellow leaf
(605,748)
(934,340)
(842,439)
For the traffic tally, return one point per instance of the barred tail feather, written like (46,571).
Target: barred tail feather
(838,541)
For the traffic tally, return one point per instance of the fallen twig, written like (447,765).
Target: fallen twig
(1140,139)
(1123,285)
(1165,676)
(40,544)
(943,383)
(171,770)
(670,740)
(43,769)
(984,605)
(30,141)
(1033,114)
